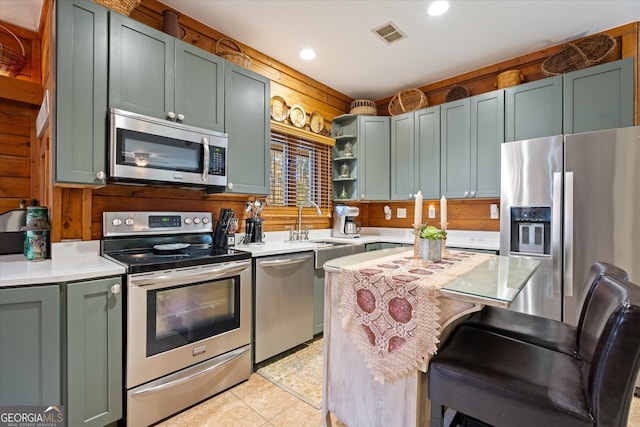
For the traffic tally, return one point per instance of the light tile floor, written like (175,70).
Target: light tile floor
(259,402)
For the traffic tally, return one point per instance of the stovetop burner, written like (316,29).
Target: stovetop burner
(130,238)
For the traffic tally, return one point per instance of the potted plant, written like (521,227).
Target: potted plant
(431,242)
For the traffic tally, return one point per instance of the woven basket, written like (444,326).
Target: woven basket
(568,58)
(363,107)
(510,78)
(407,100)
(11,62)
(597,47)
(121,6)
(234,54)
(456,92)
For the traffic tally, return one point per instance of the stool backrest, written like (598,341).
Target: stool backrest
(596,270)
(609,347)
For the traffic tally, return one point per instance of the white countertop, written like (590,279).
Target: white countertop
(81,260)
(69,261)
(276,242)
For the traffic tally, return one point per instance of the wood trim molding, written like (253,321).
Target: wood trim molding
(21,90)
(301,133)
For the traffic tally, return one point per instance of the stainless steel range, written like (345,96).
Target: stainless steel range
(188,310)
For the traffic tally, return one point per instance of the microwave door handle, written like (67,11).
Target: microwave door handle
(205,160)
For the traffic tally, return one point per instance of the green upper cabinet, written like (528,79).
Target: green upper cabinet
(374,152)
(81,93)
(344,129)
(599,97)
(415,154)
(533,109)
(487,133)
(155,74)
(247,96)
(30,339)
(94,352)
(594,98)
(472,130)
(455,148)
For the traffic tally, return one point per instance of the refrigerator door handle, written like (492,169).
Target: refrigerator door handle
(568,234)
(556,233)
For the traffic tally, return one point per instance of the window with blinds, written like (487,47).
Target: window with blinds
(300,171)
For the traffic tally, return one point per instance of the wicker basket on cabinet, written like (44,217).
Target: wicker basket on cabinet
(407,100)
(363,107)
(125,7)
(11,61)
(232,52)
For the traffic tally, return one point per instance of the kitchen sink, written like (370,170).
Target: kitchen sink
(327,250)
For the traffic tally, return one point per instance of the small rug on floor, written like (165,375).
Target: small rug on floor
(299,373)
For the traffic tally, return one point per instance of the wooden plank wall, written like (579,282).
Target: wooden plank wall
(76,212)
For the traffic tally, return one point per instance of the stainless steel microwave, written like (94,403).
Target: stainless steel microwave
(147,149)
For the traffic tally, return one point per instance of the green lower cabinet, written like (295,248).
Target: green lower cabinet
(30,371)
(94,352)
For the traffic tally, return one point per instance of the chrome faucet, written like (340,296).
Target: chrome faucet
(299,234)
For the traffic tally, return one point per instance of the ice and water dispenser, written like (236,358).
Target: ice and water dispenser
(531,230)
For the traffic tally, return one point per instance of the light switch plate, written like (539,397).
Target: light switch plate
(432,211)
(401,212)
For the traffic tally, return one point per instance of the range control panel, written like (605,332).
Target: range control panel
(148,223)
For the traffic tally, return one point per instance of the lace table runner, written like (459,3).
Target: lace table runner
(394,311)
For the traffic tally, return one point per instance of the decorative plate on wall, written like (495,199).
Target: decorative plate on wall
(316,122)
(279,109)
(297,116)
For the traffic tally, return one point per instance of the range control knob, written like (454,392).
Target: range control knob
(128,222)
(116,222)
(205,220)
(196,220)
(187,221)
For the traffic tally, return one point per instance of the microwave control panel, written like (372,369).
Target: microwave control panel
(217,161)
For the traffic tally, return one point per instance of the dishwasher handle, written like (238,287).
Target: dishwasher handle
(284,261)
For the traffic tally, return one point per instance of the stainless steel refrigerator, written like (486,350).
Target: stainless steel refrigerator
(569,201)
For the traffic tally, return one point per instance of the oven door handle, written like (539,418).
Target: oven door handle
(164,279)
(284,261)
(224,360)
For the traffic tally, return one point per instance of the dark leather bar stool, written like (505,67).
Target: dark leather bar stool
(506,382)
(541,331)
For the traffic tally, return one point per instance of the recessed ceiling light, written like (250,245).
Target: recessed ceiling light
(438,8)
(307,54)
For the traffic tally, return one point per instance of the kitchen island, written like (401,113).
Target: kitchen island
(376,355)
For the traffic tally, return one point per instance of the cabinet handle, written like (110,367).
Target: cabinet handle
(230,185)
(180,118)
(466,194)
(115,289)
(362,197)
(101,175)
(472,194)
(410,195)
(171,115)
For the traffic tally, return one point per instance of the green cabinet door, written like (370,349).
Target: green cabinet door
(427,151)
(199,87)
(94,352)
(487,134)
(455,147)
(599,97)
(141,68)
(247,96)
(533,109)
(81,93)
(403,177)
(374,154)
(30,372)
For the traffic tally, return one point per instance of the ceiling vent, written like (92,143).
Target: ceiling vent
(389,33)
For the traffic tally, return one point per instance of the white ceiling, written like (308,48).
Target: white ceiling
(354,61)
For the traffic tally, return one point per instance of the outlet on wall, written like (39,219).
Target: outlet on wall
(401,212)
(494,211)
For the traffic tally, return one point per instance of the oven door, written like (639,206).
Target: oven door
(147,149)
(177,318)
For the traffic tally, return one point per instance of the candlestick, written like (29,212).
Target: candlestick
(443,226)
(417,217)
(443,210)
(416,260)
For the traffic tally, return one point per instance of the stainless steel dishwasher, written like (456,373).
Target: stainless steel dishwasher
(283,303)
